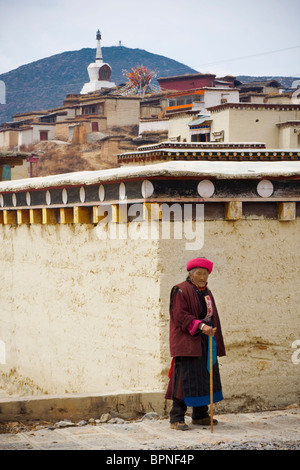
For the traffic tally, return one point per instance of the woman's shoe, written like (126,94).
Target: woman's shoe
(204,421)
(179,426)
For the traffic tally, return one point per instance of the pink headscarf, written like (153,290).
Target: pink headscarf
(200,263)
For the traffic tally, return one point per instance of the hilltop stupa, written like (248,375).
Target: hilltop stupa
(99,72)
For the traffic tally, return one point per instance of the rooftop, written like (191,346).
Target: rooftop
(219,151)
(221,107)
(171,169)
(185,76)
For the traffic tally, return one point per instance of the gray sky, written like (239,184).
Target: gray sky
(237,37)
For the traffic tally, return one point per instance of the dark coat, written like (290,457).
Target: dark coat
(184,308)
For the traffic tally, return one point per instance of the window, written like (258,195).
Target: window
(51,119)
(183,100)
(92,109)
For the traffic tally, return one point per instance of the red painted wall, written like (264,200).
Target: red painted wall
(189,82)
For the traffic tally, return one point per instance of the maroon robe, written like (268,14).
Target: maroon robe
(184,308)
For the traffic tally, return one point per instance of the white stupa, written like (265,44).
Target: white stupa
(99,72)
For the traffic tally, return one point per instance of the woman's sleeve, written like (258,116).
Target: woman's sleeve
(193,327)
(181,315)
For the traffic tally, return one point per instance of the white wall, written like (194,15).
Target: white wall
(153,125)
(79,314)
(84,315)
(25,137)
(32,135)
(214,97)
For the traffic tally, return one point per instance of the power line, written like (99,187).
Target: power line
(249,56)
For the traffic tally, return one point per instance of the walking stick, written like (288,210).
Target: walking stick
(211,385)
(211,372)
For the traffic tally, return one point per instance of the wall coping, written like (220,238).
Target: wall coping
(171,169)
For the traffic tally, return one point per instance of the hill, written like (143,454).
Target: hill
(45,83)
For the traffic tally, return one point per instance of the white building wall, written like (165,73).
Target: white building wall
(153,126)
(73,324)
(254,125)
(38,128)
(32,135)
(25,137)
(179,129)
(214,97)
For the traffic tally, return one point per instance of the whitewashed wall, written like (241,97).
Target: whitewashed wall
(84,315)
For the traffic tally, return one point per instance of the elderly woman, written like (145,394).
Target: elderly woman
(193,317)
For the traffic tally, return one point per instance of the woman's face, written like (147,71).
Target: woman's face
(200,277)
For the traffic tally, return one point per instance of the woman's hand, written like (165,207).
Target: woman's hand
(208,330)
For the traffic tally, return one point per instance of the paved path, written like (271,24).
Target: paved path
(265,430)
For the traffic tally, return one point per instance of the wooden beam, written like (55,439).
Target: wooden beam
(119,213)
(82,215)
(115,213)
(49,216)
(152,211)
(286,211)
(23,216)
(9,217)
(95,215)
(233,210)
(66,215)
(35,216)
